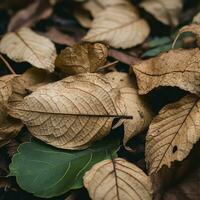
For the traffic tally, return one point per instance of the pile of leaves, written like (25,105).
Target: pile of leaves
(100,99)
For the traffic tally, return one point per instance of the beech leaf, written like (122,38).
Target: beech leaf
(25,45)
(166,11)
(173,133)
(179,68)
(50,172)
(82,58)
(71,113)
(117,179)
(120,26)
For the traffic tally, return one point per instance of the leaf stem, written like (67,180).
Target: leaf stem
(7,64)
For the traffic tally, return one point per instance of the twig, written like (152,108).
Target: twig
(107,65)
(7,64)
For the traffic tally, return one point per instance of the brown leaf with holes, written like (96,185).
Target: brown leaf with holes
(82,58)
(71,113)
(9,127)
(38,10)
(166,11)
(117,179)
(173,133)
(120,26)
(178,68)
(25,45)
(134,104)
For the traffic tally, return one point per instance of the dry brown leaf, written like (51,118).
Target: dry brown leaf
(82,58)
(120,26)
(196,18)
(38,10)
(194,28)
(166,11)
(176,68)
(71,113)
(134,104)
(25,45)
(173,133)
(117,179)
(95,7)
(9,127)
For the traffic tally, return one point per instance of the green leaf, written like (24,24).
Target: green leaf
(47,172)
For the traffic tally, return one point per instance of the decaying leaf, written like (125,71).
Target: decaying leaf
(117,179)
(173,133)
(25,45)
(176,68)
(50,172)
(9,127)
(134,104)
(166,11)
(194,28)
(120,26)
(71,113)
(82,58)
(39,9)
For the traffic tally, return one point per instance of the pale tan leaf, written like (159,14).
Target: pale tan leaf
(194,28)
(71,113)
(25,45)
(179,68)
(166,11)
(134,104)
(9,127)
(82,58)
(173,133)
(117,179)
(120,26)
(83,17)
(196,18)
(96,6)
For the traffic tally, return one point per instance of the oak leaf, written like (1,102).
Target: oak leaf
(173,133)
(117,179)
(175,68)
(71,113)
(25,45)
(166,11)
(82,58)
(120,26)
(134,105)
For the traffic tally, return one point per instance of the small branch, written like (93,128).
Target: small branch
(107,65)
(7,64)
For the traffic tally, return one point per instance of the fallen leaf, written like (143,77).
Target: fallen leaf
(50,172)
(196,18)
(25,45)
(38,10)
(71,113)
(173,133)
(166,11)
(83,17)
(117,179)
(134,104)
(82,58)
(9,127)
(175,68)
(95,7)
(58,37)
(120,26)
(194,28)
